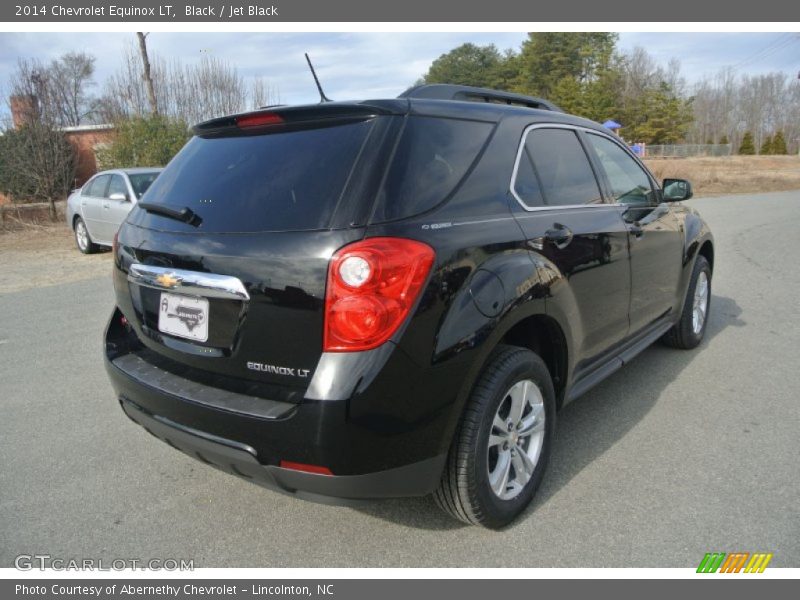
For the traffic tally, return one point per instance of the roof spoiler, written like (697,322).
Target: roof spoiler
(443,91)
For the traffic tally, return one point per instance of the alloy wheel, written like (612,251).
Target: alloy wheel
(516,439)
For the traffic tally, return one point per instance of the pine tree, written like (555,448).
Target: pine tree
(724,140)
(779,144)
(468,64)
(747,147)
(766,146)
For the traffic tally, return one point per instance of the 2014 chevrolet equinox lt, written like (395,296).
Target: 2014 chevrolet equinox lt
(393,298)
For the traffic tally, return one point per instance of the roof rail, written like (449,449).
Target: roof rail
(443,91)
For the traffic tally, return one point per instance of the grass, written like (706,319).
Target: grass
(714,176)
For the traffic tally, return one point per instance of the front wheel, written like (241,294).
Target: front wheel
(502,444)
(688,332)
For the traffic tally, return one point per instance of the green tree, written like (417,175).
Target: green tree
(747,147)
(779,144)
(658,116)
(766,146)
(149,141)
(547,58)
(37,163)
(469,64)
(724,140)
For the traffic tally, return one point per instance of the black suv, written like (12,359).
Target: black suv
(391,298)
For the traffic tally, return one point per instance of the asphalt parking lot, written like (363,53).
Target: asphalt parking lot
(678,454)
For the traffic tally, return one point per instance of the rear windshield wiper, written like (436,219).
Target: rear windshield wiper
(185,214)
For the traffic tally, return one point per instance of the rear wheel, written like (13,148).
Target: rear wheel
(502,444)
(82,238)
(688,332)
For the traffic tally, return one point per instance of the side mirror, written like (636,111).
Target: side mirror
(119,196)
(676,190)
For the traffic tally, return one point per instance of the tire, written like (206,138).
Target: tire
(686,334)
(465,491)
(82,238)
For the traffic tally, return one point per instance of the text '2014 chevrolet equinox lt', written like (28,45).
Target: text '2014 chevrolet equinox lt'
(391,298)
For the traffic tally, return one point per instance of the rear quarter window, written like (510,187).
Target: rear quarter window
(431,158)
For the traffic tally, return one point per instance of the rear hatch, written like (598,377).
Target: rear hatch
(222,266)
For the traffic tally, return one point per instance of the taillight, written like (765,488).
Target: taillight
(258,120)
(372,285)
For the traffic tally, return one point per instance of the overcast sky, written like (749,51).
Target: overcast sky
(363,65)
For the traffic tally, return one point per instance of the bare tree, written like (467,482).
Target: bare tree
(148,79)
(70,77)
(209,88)
(59,91)
(727,105)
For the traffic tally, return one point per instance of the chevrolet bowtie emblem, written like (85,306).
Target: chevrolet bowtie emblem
(167,280)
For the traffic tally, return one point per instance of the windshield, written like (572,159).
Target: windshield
(140,182)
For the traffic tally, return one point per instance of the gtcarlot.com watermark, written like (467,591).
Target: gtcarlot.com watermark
(44,562)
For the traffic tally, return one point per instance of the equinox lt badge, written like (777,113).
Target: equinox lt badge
(264,368)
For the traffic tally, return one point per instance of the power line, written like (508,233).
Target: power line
(776,43)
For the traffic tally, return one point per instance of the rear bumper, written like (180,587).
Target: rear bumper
(242,460)
(369,455)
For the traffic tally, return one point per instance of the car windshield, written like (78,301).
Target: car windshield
(141,181)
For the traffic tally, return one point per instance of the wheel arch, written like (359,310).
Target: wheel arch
(537,331)
(707,251)
(543,335)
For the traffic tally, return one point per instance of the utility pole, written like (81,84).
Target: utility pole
(148,79)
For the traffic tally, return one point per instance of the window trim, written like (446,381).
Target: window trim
(600,178)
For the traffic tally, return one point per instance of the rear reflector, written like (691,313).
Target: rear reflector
(258,120)
(285,464)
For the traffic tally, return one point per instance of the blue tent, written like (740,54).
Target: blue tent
(612,125)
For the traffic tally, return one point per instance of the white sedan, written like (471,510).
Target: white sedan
(96,210)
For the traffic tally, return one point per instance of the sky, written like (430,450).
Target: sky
(370,65)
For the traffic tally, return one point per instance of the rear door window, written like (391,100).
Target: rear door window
(271,182)
(560,167)
(431,158)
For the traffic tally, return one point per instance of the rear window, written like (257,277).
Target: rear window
(274,182)
(431,158)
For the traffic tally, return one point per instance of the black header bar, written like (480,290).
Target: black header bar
(440,11)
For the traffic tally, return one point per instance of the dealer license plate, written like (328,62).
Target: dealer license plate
(183,316)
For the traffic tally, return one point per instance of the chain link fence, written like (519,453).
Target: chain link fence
(686,150)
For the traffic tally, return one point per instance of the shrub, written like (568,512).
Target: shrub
(149,141)
(747,147)
(766,146)
(779,144)
(37,163)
